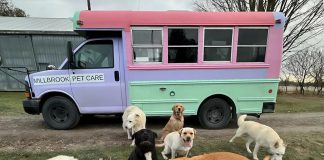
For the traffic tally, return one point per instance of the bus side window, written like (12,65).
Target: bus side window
(147,44)
(183,45)
(218,44)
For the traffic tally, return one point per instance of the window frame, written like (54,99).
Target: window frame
(229,46)
(266,45)
(183,46)
(147,45)
(77,51)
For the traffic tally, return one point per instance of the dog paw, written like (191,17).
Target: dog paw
(255,158)
(249,151)
(164,157)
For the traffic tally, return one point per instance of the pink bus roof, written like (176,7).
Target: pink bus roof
(126,19)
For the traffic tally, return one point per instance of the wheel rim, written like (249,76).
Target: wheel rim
(59,114)
(215,115)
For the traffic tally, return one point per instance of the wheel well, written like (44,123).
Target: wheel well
(225,98)
(46,96)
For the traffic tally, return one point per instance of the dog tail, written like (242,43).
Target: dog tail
(159,145)
(241,119)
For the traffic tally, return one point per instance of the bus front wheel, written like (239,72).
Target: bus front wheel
(215,113)
(60,113)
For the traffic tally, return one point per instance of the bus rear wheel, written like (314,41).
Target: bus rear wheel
(215,113)
(60,113)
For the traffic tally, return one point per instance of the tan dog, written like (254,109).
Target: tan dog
(175,122)
(262,135)
(180,141)
(216,156)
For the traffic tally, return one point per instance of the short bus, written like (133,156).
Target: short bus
(217,64)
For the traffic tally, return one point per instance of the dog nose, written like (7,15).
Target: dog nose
(188,138)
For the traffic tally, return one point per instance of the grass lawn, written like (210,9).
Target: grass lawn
(302,146)
(11,103)
(298,103)
(298,149)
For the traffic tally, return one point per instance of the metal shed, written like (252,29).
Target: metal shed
(33,43)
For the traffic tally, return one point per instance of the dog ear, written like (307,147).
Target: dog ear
(174,106)
(180,131)
(155,135)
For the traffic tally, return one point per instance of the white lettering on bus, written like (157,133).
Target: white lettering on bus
(66,79)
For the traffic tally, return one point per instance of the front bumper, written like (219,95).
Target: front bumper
(31,106)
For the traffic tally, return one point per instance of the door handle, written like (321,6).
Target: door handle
(116,73)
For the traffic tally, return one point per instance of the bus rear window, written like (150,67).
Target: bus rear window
(252,43)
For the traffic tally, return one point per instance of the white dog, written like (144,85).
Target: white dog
(262,135)
(178,141)
(134,119)
(62,157)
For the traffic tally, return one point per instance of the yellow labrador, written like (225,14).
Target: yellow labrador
(262,135)
(178,141)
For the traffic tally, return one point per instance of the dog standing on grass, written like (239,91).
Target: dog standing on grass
(134,119)
(179,141)
(175,122)
(262,135)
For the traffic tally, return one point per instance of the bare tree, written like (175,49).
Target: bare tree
(317,72)
(299,65)
(285,79)
(305,18)
(8,9)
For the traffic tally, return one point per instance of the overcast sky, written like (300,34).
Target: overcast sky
(66,8)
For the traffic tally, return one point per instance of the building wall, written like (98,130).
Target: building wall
(34,51)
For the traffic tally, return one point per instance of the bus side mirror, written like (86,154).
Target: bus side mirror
(70,55)
(51,67)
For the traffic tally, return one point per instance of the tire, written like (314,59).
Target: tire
(214,113)
(60,113)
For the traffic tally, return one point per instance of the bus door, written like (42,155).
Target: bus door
(95,81)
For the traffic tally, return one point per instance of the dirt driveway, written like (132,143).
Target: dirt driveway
(29,133)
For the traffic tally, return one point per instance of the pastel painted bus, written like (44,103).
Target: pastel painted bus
(217,64)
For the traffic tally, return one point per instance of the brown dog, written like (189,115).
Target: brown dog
(176,121)
(216,156)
